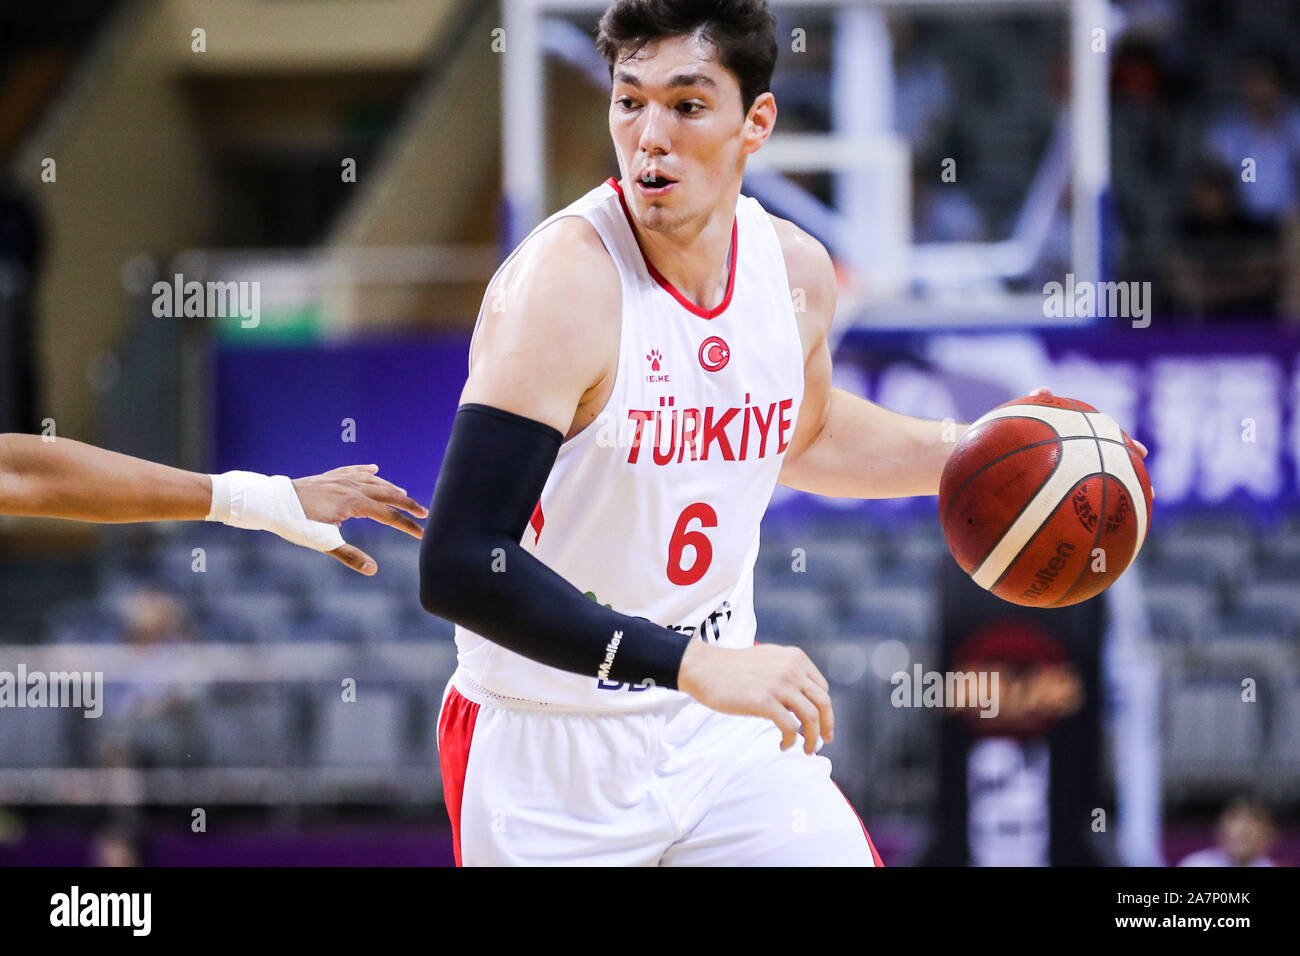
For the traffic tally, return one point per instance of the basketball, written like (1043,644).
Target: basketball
(1045,501)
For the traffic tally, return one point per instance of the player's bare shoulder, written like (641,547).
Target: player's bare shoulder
(560,283)
(812,279)
(547,336)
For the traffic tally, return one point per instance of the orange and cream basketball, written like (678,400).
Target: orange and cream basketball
(1045,501)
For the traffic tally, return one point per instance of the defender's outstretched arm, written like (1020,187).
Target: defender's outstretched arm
(62,478)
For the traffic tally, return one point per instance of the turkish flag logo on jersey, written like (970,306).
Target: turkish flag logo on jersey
(714,354)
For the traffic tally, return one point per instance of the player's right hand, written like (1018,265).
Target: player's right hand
(766,680)
(357,491)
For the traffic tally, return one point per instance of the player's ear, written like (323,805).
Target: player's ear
(759,122)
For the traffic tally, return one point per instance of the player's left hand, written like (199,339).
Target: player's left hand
(357,491)
(1044,390)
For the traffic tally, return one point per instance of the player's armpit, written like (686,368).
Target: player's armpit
(814,412)
(474,572)
(814,288)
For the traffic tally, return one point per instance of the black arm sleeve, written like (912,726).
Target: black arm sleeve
(492,476)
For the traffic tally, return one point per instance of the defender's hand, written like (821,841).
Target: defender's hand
(767,680)
(356,491)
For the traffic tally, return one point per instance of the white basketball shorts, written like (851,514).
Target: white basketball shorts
(679,785)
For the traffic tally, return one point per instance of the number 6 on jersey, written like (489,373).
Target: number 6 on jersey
(697,539)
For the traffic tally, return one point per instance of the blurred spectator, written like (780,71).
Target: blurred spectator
(1223,262)
(922,95)
(1156,20)
(1264,127)
(113,846)
(1290,303)
(1137,75)
(153,715)
(1245,837)
(1149,137)
(942,211)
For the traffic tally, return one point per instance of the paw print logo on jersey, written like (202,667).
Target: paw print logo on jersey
(714,354)
(655,358)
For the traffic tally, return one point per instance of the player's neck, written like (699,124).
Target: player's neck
(695,259)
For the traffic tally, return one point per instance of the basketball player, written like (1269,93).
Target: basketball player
(69,479)
(639,381)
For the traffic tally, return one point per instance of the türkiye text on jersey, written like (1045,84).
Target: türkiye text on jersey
(738,433)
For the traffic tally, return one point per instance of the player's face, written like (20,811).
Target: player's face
(676,114)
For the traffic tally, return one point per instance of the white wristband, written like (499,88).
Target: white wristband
(255,502)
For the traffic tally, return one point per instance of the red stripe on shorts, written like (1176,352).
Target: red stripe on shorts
(874,855)
(455,731)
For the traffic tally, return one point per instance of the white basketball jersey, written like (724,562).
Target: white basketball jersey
(654,507)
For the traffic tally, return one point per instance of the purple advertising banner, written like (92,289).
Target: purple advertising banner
(1217,409)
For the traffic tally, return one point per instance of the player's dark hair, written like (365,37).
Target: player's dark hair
(742,31)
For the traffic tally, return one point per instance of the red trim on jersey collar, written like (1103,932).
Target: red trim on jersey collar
(668,286)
